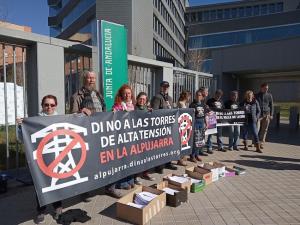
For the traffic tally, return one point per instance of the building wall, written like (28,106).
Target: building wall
(274,62)
(118,12)
(142,31)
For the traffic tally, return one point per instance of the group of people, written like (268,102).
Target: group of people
(87,100)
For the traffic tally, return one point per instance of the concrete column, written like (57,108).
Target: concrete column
(45,76)
(275,123)
(168,76)
(294,117)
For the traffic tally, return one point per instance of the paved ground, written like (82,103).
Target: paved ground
(269,193)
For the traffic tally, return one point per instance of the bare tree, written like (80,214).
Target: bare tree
(196,59)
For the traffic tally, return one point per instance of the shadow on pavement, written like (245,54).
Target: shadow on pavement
(273,165)
(111,212)
(73,215)
(270,158)
(284,135)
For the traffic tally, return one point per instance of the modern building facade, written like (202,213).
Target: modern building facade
(245,43)
(156,29)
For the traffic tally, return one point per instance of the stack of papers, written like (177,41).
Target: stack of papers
(135,205)
(170,191)
(143,198)
(195,181)
(179,179)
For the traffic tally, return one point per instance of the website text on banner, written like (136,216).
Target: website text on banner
(69,155)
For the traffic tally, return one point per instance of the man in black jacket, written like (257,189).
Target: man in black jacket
(163,101)
(265,101)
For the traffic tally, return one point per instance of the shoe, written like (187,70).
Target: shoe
(40,219)
(210,151)
(222,150)
(171,167)
(193,159)
(113,193)
(146,176)
(230,148)
(85,197)
(133,185)
(245,146)
(251,145)
(198,158)
(159,170)
(203,154)
(235,148)
(258,148)
(57,213)
(261,146)
(137,182)
(181,163)
(127,187)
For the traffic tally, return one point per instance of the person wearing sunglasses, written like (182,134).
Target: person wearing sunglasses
(49,104)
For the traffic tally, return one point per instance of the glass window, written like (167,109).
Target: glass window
(243,37)
(213,15)
(76,12)
(220,14)
(279,7)
(233,13)
(264,9)
(227,14)
(241,12)
(272,8)
(248,11)
(199,16)
(193,17)
(206,16)
(256,10)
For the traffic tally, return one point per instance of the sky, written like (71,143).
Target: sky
(34,13)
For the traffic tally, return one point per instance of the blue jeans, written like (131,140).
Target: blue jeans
(196,151)
(219,139)
(199,138)
(234,135)
(250,127)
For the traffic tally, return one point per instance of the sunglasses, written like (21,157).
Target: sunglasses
(47,105)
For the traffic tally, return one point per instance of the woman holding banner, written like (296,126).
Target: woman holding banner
(49,104)
(125,101)
(252,109)
(234,131)
(142,104)
(199,130)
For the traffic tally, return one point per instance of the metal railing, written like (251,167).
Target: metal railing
(141,79)
(13,103)
(191,81)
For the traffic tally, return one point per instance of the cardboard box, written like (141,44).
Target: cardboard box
(198,187)
(220,166)
(229,172)
(186,185)
(199,173)
(214,170)
(178,197)
(143,215)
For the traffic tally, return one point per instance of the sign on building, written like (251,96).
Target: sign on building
(112,49)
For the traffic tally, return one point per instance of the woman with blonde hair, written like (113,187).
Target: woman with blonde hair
(252,110)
